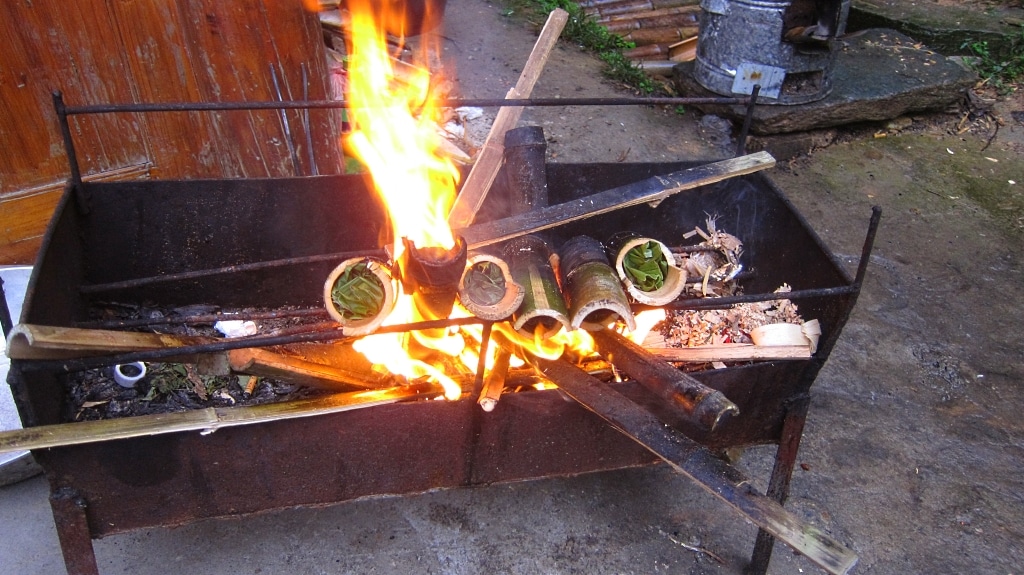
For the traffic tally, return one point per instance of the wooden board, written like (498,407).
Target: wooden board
(102,52)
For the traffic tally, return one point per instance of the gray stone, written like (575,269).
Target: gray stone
(879,75)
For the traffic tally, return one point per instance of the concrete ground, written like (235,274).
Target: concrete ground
(913,453)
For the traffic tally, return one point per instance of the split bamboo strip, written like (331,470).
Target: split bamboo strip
(651,190)
(731,352)
(206,420)
(28,341)
(485,169)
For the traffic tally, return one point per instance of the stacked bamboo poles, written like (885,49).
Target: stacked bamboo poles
(653,25)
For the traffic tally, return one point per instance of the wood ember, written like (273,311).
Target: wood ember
(691,328)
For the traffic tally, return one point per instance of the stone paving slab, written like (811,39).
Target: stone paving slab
(879,75)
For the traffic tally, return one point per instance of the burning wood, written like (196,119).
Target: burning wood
(494,383)
(697,402)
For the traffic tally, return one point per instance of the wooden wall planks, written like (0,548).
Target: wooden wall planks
(135,51)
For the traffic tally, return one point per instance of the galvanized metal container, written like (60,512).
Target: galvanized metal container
(742,43)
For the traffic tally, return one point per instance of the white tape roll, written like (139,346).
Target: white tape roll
(128,374)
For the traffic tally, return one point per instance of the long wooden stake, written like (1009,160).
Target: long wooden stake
(651,190)
(693,460)
(206,420)
(485,169)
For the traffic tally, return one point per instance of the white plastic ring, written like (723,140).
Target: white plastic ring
(128,374)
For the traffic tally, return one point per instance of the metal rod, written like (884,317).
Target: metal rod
(727,301)
(448,103)
(65,132)
(196,274)
(869,243)
(741,145)
(6,323)
(305,122)
(285,125)
(81,364)
(204,318)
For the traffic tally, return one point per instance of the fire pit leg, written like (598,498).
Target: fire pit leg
(73,531)
(782,473)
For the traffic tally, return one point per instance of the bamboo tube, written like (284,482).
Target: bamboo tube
(431,275)
(697,402)
(543,310)
(692,14)
(669,35)
(593,291)
(487,289)
(622,249)
(353,321)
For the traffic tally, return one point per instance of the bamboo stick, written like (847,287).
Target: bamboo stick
(731,352)
(494,384)
(206,420)
(651,190)
(29,341)
(485,169)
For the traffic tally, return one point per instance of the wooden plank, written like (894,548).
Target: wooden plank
(206,420)
(731,352)
(24,216)
(650,190)
(301,371)
(51,45)
(691,459)
(488,162)
(23,221)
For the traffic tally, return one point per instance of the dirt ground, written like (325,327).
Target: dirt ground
(913,453)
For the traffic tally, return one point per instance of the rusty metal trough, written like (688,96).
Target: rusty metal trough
(167,231)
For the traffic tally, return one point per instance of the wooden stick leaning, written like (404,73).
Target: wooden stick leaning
(206,420)
(485,169)
(651,190)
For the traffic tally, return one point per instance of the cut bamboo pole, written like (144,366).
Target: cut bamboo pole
(485,169)
(206,420)
(651,190)
(29,341)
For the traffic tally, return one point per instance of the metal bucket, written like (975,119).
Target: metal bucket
(741,44)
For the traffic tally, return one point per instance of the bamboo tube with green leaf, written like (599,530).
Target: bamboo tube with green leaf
(647,268)
(359,294)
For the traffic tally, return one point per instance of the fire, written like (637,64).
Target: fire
(393,135)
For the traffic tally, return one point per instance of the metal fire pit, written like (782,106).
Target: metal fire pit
(105,233)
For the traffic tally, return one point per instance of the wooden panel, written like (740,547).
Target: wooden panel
(128,51)
(22,223)
(222,51)
(69,47)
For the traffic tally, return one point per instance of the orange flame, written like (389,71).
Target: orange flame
(394,132)
(394,136)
